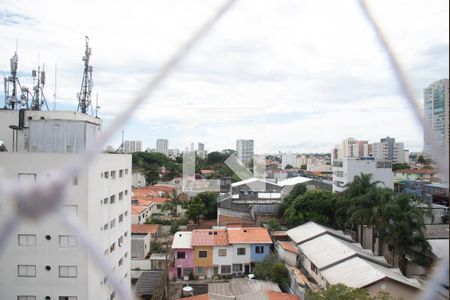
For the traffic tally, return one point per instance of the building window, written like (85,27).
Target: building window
(26,270)
(120,262)
(120,241)
(259,249)
(105,227)
(112,248)
(187,271)
(126,213)
(112,199)
(240,251)
(67,241)
(202,254)
(113,223)
(26,240)
(126,192)
(158,206)
(113,174)
(225,269)
(126,171)
(120,173)
(106,175)
(181,255)
(27,178)
(68,271)
(222,252)
(237,268)
(120,218)
(26,297)
(75,180)
(313,268)
(200,270)
(67,298)
(121,196)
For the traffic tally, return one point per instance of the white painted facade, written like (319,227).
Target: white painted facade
(288,159)
(42,258)
(162,146)
(240,259)
(346,169)
(132,146)
(245,150)
(138,180)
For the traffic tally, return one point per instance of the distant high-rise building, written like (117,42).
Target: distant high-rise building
(132,146)
(351,147)
(162,146)
(388,149)
(288,159)
(436,102)
(201,152)
(245,150)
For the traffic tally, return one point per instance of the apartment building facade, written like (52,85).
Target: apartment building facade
(245,150)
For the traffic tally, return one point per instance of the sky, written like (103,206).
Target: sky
(294,75)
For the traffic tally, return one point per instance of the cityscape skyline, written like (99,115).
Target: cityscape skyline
(354,84)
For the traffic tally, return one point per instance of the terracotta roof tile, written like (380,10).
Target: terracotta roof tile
(249,235)
(288,247)
(272,295)
(144,228)
(209,237)
(137,209)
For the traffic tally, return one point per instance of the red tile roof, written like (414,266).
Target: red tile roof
(209,237)
(144,228)
(253,235)
(137,209)
(416,171)
(288,247)
(272,295)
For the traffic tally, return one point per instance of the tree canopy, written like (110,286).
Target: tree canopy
(273,269)
(343,292)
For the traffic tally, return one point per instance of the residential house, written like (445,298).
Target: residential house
(287,252)
(203,241)
(183,255)
(141,236)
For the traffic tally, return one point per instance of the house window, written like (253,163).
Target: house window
(240,251)
(313,268)
(121,196)
(68,271)
(126,171)
(120,262)
(187,271)
(259,249)
(27,178)
(120,218)
(112,248)
(222,252)
(67,241)
(27,240)
(120,241)
(112,199)
(105,201)
(158,206)
(105,227)
(126,192)
(126,213)
(113,174)
(237,268)
(26,270)
(26,297)
(200,270)
(120,173)
(113,223)
(181,255)
(202,254)
(67,298)
(106,175)
(225,269)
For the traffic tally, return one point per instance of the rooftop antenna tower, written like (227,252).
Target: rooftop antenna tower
(38,99)
(84,96)
(16,96)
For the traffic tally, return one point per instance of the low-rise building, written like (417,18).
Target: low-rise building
(287,252)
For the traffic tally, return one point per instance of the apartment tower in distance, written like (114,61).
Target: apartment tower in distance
(245,150)
(436,102)
(132,146)
(43,259)
(162,146)
(388,149)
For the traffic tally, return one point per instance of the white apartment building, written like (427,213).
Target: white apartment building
(132,146)
(288,159)
(351,147)
(388,149)
(245,150)
(436,103)
(162,146)
(43,259)
(346,169)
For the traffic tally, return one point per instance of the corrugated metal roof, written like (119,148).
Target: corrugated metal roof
(326,250)
(182,240)
(439,248)
(294,181)
(251,180)
(147,283)
(309,230)
(358,273)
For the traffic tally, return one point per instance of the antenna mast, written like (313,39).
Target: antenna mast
(13,88)
(84,96)
(38,90)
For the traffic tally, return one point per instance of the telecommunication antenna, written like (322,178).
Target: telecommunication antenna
(38,99)
(16,96)
(84,96)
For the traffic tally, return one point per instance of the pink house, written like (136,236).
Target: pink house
(183,254)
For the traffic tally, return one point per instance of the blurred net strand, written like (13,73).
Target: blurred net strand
(438,151)
(53,191)
(406,89)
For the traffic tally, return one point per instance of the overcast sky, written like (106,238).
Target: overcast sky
(294,75)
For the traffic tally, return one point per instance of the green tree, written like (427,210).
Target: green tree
(404,232)
(210,201)
(399,166)
(271,268)
(297,190)
(273,225)
(171,206)
(314,205)
(174,227)
(303,167)
(343,292)
(195,209)
(3,148)
(288,167)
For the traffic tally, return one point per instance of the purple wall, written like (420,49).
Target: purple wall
(187,262)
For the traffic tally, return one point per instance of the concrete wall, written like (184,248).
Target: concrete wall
(395,289)
(140,246)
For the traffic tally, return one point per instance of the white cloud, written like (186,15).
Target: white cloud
(293,75)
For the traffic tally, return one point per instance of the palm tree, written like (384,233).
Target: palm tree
(171,206)
(404,232)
